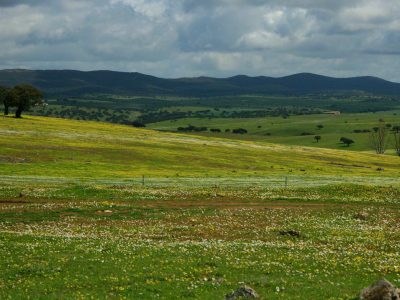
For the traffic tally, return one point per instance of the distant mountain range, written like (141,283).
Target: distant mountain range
(77,83)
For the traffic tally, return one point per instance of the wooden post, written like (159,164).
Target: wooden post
(142,180)
(286,182)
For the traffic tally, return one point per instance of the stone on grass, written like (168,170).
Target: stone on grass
(243,292)
(361,216)
(380,290)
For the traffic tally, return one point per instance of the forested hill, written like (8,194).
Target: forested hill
(78,83)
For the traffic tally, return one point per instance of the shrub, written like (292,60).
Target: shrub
(306,133)
(239,131)
(138,124)
(190,128)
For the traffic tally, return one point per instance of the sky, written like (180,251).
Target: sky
(220,38)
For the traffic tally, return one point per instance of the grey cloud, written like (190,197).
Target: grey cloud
(217,38)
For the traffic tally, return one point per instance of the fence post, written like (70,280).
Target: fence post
(142,180)
(286,182)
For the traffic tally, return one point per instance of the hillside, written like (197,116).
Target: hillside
(64,148)
(77,83)
(296,130)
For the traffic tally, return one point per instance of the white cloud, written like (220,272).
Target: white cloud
(217,38)
(148,8)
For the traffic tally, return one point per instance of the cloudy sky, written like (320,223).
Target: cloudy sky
(177,38)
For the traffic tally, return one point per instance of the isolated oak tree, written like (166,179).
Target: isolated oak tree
(317,138)
(346,141)
(3,99)
(23,97)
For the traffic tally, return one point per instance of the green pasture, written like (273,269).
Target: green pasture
(99,211)
(288,131)
(106,241)
(40,146)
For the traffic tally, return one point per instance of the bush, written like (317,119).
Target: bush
(361,130)
(239,131)
(191,128)
(138,124)
(307,133)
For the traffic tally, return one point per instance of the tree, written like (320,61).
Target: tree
(396,136)
(3,98)
(378,138)
(23,97)
(346,141)
(396,129)
(317,138)
(320,127)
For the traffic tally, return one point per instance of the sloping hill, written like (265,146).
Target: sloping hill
(78,83)
(37,146)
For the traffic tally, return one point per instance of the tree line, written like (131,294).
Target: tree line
(22,97)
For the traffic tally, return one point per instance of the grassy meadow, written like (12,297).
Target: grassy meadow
(78,221)
(288,131)
(40,146)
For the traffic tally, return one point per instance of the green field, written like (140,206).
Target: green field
(289,130)
(78,220)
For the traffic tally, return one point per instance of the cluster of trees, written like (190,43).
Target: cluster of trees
(361,130)
(191,128)
(119,116)
(165,115)
(22,97)
(379,137)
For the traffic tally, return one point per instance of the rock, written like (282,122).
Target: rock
(294,233)
(243,292)
(380,290)
(104,212)
(361,216)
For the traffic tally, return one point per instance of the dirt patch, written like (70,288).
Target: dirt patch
(13,202)
(233,205)
(13,160)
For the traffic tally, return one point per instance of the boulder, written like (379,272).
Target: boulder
(380,290)
(361,216)
(243,292)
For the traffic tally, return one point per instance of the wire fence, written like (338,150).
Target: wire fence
(265,181)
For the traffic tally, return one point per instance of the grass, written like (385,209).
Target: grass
(39,146)
(99,249)
(76,220)
(288,131)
